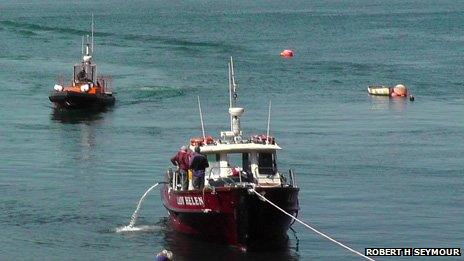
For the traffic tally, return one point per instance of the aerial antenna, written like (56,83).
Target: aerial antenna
(92,33)
(230,86)
(230,93)
(268,121)
(82,51)
(201,119)
(233,85)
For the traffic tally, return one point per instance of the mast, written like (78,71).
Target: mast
(230,92)
(268,122)
(88,69)
(235,112)
(201,119)
(233,84)
(82,46)
(92,33)
(87,47)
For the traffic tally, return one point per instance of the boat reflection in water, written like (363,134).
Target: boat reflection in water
(78,116)
(384,103)
(185,247)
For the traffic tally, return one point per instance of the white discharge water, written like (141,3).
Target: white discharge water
(145,228)
(135,215)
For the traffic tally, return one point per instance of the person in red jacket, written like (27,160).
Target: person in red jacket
(181,161)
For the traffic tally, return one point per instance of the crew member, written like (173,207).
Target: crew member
(181,161)
(198,164)
(82,75)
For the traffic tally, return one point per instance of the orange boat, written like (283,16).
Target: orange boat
(87,90)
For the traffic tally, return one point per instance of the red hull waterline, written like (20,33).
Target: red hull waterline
(233,215)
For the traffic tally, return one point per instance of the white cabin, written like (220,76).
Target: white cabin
(244,162)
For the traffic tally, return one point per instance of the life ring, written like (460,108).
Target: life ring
(263,139)
(200,141)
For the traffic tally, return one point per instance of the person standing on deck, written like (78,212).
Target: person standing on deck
(198,164)
(181,160)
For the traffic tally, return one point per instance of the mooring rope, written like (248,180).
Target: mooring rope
(313,229)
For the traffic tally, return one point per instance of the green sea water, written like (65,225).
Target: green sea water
(373,172)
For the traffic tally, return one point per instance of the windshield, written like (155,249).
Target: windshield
(266,163)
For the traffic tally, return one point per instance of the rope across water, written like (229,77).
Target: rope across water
(313,229)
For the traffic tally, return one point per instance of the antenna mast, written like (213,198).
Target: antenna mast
(233,85)
(268,121)
(230,93)
(92,33)
(82,46)
(234,111)
(201,119)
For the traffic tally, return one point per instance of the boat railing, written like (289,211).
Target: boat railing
(169,177)
(292,178)
(230,175)
(273,173)
(270,171)
(60,79)
(105,83)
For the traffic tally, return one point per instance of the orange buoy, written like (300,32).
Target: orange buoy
(287,53)
(400,90)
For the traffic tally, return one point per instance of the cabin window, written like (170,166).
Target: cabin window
(246,162)
(266,164)
(234,160)
(241,160)
(214,164)
(213,157)
(84,73)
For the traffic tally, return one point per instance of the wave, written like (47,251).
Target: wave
(173,41)
(31,29)
(142,94)
(182,44)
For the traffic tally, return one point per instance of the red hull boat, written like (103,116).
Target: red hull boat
(233,216)
(227,209)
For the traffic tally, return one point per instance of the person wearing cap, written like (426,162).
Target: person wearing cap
(164,255)
(181,161)
(198,164)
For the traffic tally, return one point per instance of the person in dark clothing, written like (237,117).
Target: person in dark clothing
(198,164)
(82,76)
(181,161)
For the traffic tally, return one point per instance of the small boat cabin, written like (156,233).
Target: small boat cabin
(248,161)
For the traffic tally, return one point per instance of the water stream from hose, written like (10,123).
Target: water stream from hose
(135,215)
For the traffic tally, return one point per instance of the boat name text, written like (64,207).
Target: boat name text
(190,201)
